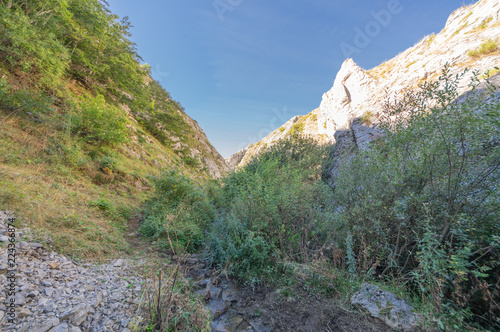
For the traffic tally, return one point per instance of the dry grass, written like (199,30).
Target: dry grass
(168,302)
(485,48)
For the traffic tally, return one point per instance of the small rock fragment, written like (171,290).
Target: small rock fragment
(76,315)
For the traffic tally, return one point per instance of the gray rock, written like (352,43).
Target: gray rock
(20,299)
(46,283)
(76,315)
(214,291)
(64,327)
(385,306)
(74,329)
(48,291)
(24,313)
(36,245)
(4,238)
(45,326)
(119,263)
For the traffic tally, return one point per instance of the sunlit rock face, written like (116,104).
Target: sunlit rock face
(353,108)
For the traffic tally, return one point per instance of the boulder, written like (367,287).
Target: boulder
(385,306)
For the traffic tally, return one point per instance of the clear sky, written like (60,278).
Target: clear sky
(241,68)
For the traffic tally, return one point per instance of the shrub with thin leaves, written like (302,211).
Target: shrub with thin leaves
(422,204)
(99,123)
(276,210)
(178,214)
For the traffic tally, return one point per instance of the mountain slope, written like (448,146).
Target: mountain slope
(356,101)
(83,126)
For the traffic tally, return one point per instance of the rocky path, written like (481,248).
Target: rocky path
(54,293)
(246,309)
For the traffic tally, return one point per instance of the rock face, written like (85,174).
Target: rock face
(303,124)
(208,156)
(385,306)
(350,111)
(350,97)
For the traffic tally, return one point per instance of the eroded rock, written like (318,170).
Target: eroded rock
(385,306)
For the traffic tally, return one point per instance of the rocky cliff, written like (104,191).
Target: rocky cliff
(350,111)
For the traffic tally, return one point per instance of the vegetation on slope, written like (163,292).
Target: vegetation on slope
(82,124)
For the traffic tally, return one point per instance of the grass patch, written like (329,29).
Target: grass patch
(487,47)
(465,25)
(366,118)
(411,64)
(297,128)
(168,302)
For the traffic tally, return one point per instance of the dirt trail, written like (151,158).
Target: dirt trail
(263,309)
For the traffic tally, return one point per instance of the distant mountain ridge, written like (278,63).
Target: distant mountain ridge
(355,103)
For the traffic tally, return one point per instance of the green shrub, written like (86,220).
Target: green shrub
(102,204)
(297,128)
(178,214)
(108,164)
(191,162)
(276,211)
(32,49)
(422,204)
(99,123)
(25,100)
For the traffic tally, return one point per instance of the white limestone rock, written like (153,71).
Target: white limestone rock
(386,307)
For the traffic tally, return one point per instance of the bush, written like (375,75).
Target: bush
(178,214)
(34,51)
(276,211)
(297,128)
(99,123)
(26,100)
(422,204)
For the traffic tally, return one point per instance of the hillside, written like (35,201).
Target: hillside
(470,39)
(84,127)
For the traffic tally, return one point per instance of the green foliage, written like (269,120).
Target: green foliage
(26,100)
(297,128)
(98,122)
(422,203)
(108,163)
(51,39)
(487,47)
(276,210)
(191,162)
(282,129)
(102,204)
(178,214)
(30,39)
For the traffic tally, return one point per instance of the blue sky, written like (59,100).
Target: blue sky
(241,68)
